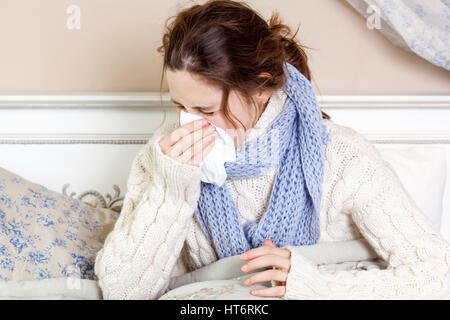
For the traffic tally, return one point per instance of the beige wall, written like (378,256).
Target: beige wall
(115,50)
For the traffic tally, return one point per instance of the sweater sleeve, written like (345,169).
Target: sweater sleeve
(417,257)
(141,251)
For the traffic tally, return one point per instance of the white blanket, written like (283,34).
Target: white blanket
(223,279)
(50,289)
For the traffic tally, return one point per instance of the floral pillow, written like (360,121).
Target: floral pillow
(45,234)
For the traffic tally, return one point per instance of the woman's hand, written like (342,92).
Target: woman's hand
(190,143)
(266,256)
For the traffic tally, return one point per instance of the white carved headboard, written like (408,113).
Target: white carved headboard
(83,145)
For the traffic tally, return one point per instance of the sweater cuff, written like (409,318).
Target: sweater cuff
(303,278)
(177,176)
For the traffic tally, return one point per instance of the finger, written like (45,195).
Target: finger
(201,155)
(264,250)
(190,156)
(276,291)
(183,131)
(266,261)
(187,155)
(269,243)
(267,275)
(189,141)
(200,146)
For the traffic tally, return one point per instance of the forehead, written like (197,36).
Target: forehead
(189,89)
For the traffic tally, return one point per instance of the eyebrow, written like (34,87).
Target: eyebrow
(198,107)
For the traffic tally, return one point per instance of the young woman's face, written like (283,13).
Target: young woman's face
(189,92)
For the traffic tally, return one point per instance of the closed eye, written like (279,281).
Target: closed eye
(206,113)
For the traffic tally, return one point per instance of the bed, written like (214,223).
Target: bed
(81,146)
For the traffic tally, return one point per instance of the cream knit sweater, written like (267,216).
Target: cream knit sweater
(157,235)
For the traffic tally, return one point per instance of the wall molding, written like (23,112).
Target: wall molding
(71,139)
(153,100)
(131,117)
(85,101)
(385,102)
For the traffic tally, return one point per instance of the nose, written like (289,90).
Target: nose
(179,112)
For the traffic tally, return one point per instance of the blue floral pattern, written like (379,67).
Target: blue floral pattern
(422,27)
(45,234)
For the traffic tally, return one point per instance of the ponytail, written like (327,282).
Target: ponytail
(293,51)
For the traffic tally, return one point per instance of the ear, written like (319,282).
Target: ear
(264,95)
(265,75)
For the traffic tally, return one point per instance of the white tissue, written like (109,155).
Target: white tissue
(212,167)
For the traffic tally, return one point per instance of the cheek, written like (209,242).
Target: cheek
(240,110)
(219,119)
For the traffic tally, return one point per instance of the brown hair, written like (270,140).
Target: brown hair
(229,45)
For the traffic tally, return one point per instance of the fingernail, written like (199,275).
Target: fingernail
(244,267)
(243,256)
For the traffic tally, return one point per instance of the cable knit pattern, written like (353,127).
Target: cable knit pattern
(295,140)
(157,235)
(251,195)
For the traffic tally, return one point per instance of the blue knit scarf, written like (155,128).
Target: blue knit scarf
(295,142)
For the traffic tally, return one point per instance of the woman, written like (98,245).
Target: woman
(226,64)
